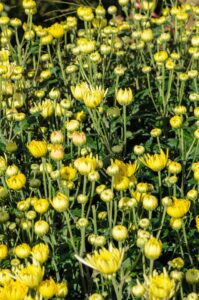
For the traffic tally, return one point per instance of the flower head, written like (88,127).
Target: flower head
(161,287)
(56,30)
(125,174)
(37,148)
(14,290)
(93,96)
(48,288)
(31,275)
(16,182)
(124,97)
(155,162)
(179,208)
(106,261)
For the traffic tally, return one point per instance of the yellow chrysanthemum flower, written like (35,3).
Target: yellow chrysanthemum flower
(155,162)
(68,173)
(14,290)
(31,275)
(37,148)
(179,208)
(93,97)
(40,252)
(197,222)
(161,287)
(125,175)
(56,30)
(48,288)
(85,165)
(106,261)
(16,182)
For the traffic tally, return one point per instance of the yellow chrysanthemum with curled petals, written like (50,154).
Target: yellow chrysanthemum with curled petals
(125,175)
(155,162)
(161,287)
(105,261)
(179,208)
(14,290)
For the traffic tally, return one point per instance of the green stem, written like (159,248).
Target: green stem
(124,118)
(162,222)
(116,288)
(186,243)
(60,61)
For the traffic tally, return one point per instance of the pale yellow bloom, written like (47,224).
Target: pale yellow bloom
(93,97)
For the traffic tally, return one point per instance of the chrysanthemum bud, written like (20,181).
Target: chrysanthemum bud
(119,233)
(153,248)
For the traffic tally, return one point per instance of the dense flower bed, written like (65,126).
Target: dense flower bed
(99,154)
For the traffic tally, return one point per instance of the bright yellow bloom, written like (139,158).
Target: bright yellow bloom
(22,250)
(161,56)
(155,162)
(48,288)
(31,275)
(5,276)
(56,30)
(79,90)
(161,287)
(93,97)
(14,290)
(177,263)
(138,196)
(16,182)
(41,205)
(197,222)
(46,108)
(37,148)
(40,252)
(106,261)
(85,13)
(3,251)
(68,173)
(62,289)
(60,202)
(125,174)
(179,208)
